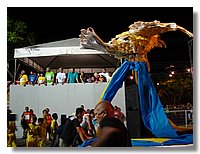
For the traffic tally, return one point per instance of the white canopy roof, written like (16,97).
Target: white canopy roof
(65,53)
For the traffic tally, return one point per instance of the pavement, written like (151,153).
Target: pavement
(22,143)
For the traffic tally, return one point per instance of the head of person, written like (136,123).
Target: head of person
(31,110)
(72,70)
(91,113)
(55,116)
(31,72)
(34,119)
(96,75)
(26,108)
(48,69)
(60,70)
(82,73)
(82,106)
(44,112)
(103,109)
(63,119)
(103,70)
(41,74)
(22,72)
(47,109)
(79,112)
(110,74)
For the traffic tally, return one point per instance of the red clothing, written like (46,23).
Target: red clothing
(27,116)
(49,119)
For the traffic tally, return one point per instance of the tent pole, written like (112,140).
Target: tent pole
(15,69)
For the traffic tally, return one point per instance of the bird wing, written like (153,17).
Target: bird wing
(148,29)
(135,43)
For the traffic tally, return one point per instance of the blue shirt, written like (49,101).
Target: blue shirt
(32,78)
(72,77)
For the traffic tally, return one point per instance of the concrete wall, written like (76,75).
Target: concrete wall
(63,99)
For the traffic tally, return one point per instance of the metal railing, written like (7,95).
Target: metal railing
(181,117)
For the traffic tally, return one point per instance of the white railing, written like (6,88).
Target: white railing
(181,117)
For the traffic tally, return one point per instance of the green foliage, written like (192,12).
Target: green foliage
(176,90)
(17,36)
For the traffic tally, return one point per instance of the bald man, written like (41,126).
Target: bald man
(113,132)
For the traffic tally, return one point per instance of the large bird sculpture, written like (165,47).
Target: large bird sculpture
(132,45)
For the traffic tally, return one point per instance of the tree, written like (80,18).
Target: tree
(176,90)
(17,36)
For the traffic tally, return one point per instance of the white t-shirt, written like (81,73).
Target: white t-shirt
(106,75)
(60,76)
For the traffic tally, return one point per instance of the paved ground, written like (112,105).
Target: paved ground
(22,143)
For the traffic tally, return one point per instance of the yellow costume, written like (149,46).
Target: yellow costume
(41,80)
(11,136)
(42,134)
(54,126)
(32,136)
(23,79)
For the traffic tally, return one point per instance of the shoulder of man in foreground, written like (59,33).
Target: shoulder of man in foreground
(105,135)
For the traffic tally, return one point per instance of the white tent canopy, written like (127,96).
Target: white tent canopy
(66,54)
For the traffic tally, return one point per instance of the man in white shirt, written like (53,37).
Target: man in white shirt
(105,74)
(60,77)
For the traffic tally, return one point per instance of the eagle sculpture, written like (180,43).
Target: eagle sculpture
(132,45)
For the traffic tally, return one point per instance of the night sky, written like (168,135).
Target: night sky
(58,23)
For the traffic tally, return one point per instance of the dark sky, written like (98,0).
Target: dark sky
(57,23)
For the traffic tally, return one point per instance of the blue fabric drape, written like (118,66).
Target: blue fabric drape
(152,112)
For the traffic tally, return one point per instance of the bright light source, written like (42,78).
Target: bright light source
(170,75)
(188,70)
(158,83)
(131,77)
(172,72)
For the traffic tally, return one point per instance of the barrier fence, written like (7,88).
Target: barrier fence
(182,118)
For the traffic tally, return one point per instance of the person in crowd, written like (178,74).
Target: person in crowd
(41,79)
(87,125)
(72,76)
(11,128)
(48,119)
(38,75)
(32,134)
(119,114)
(113,132)
(32,79)
(49,76)
(73,134)
(95,78)
(105,74)
(32,114)
(23,78)
(54,127)
(82,77)
(61,128)
(42,126)
(102,78)
(25,121)
(60,77)
(109,77)
(82,106)
(89,78)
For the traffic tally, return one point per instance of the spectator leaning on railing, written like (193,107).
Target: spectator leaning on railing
(60,77)
(49,75)
(23,78)
(72,76)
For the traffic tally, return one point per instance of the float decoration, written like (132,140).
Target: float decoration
(132,45)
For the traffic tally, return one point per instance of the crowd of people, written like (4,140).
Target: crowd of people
(50,78)
(104,123)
